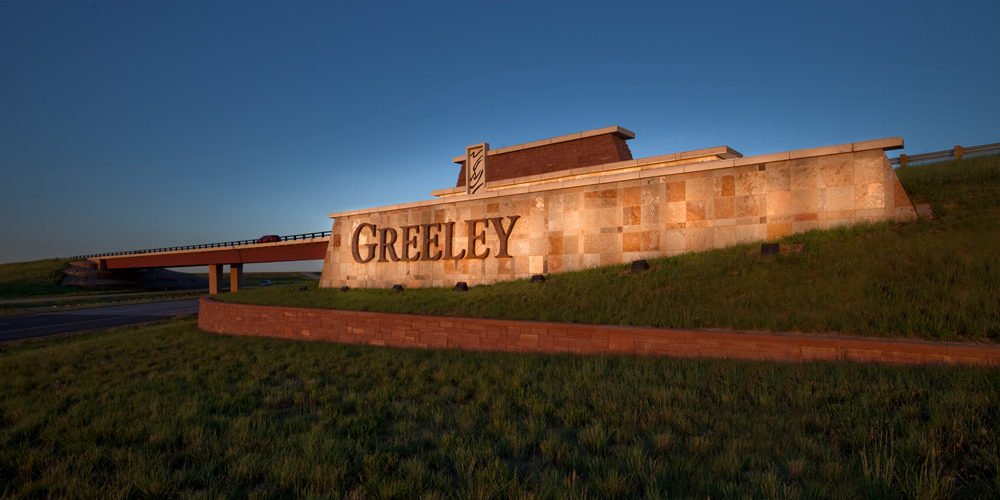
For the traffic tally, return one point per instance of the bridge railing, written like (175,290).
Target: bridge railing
(223,244)
(955,153)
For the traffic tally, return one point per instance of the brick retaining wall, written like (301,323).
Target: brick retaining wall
(407,330)
(584,152)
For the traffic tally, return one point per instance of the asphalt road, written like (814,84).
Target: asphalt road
(38,325)
(72,298)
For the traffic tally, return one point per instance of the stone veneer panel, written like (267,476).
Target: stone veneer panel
(577,224)
(408,330)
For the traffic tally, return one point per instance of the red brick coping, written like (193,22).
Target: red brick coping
(409,330)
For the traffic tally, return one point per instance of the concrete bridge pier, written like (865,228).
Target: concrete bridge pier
(235,276)
(215,277)
(214,274)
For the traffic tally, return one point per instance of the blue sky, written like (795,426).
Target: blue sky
(128,125)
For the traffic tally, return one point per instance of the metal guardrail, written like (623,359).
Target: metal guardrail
(291,237)
(956,153)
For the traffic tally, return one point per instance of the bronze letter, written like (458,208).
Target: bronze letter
(473,238)
(354,244)
(503,235)
(449,233)
(407,241)
(428,239)
(384,244)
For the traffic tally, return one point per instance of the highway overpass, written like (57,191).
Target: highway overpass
(308,246)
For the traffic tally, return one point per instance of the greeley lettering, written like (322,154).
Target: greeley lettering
(433,241)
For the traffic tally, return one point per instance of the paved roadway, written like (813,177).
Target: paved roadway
(72,298)
(38,325)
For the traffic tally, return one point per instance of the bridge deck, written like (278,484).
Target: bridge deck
(282,251)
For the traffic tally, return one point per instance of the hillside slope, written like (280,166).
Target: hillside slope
(33,279)
(935,279)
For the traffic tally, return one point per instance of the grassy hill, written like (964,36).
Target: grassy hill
(41,278)
(34,279)
(933,279)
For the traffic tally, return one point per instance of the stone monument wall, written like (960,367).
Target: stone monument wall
(613,214)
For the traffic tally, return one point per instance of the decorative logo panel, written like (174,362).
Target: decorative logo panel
(475,167)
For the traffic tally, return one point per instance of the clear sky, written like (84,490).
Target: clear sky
(138,124)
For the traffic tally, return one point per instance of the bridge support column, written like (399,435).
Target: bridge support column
(214,275)
(235,276)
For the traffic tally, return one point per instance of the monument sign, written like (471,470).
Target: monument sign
(581,200)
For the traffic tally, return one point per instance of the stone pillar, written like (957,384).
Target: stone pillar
(214,274)
(235,276)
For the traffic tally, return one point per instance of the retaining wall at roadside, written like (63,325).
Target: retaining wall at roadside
(408,330)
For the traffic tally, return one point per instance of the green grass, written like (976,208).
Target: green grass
(168,410)
(34,279)
(937,279)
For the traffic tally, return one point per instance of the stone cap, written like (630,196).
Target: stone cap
(616,130)
(693,156)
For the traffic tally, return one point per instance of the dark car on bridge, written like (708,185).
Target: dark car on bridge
(269,238)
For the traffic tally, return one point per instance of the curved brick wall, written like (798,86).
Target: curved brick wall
(407,330)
